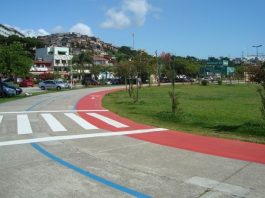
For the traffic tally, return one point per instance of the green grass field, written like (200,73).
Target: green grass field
(228,111)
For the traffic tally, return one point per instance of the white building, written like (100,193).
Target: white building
(7,31)
(58,56)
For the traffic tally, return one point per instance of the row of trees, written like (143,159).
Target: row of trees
(16,55)
(137,66)
(14,60)
(29,44)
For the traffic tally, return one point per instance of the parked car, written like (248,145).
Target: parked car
(115,81)
(7,91)
(209,79)
(164,80)
(26,83)
(112,81)
(67,85)
(12,80)
(90,81)
(18,90)
(53,84)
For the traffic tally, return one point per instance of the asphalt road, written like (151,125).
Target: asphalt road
(47,150)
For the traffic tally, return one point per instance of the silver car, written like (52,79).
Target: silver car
(53,84)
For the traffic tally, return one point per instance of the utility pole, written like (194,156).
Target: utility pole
(133,40)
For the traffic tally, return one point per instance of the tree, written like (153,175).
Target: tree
(14,61)
(95,70)
(170,67)
(151,68)
(29,44)
(188,66)
(240,70)
(258,76)
(122,71)
(81,60)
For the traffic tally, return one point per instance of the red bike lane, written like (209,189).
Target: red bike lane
(208,145)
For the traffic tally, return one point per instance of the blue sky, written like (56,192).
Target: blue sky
(199,28)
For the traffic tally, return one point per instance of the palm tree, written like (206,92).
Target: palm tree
(81,60)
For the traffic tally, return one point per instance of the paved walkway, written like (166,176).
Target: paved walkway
(209,145)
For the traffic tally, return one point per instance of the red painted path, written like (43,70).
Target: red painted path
(209,145)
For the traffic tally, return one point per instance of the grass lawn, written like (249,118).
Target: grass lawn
(17,97)
(228,111)
(22,95)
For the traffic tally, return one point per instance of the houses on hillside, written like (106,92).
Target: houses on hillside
(8,31)
(77,42)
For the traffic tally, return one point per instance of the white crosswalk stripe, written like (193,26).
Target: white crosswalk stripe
(80,121)
(108,120)
(53,123)
(29,123)
(23,125)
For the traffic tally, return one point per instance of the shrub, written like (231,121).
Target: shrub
(220,82)
(205,82)
(258,75)
(175,105)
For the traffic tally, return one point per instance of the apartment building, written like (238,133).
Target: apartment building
(59,57)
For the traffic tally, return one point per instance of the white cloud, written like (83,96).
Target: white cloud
(117,19)
(42,32)
(139,8)
(30,32)
(130,12)
(57,29)
(82,29)
(78,28)
(34,33)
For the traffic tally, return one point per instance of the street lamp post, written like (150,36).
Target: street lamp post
(71,74)
(69,61)
(257,49)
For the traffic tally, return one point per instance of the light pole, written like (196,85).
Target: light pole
(158,70)
(69,61)
(257,48)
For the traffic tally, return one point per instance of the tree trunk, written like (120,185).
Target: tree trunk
(126,84)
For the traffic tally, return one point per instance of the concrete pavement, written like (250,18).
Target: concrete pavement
(133,165)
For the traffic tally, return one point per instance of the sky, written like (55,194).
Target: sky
(199,28)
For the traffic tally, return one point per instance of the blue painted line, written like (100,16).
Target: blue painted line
(37,103)
(88,174)
(81,171)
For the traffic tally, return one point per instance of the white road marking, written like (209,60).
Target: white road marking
(80,121)
(81,136)
(51,111)
(23,125)
(1,117)
(53,123)
(219,186)
(108,120)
